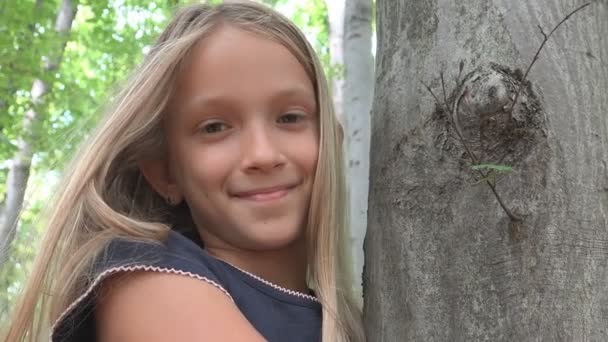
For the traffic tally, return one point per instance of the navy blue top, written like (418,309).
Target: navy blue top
(276,313)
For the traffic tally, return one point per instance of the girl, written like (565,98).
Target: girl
(209,204)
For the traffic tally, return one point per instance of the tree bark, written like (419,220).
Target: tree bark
(444,261)
(357,101)
(335,14)
(19,170)
(352,92)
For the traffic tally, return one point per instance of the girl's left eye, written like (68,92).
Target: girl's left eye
(214,127)
(290,118)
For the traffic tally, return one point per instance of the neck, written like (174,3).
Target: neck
(285,267)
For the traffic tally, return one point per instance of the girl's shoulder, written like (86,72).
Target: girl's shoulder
(176,255)
(278,314)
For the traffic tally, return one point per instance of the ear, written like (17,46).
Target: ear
(158,175)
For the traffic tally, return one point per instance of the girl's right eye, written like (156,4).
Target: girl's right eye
(214,127)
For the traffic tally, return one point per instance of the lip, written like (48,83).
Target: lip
(265,194)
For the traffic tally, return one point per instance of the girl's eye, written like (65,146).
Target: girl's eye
(290,118)
(214,127)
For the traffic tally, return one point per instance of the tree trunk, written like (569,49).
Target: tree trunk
(357,101)
(444,260)
(335,14)
(19,170)
(350,37)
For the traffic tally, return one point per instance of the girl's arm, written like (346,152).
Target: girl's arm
(154,307)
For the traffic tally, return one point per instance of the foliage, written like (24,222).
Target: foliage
(108,37)
(311,18)
(20,260)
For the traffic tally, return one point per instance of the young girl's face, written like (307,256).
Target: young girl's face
(243,137)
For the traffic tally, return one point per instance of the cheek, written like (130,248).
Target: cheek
(204,169)
(307,153)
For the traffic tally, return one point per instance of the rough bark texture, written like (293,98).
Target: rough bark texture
(443,260)
(19,170)
(357,97)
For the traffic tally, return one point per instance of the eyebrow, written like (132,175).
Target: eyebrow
(203,100)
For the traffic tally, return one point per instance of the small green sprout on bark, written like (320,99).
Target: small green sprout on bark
(492,171)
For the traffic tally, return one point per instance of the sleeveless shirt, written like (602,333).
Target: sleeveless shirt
(276,313)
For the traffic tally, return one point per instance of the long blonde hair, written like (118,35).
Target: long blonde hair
(103,194)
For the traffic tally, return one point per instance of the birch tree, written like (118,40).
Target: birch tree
(488,216)
(335,15)
(357,97)
(350,49)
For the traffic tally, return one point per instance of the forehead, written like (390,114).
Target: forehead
(232,61)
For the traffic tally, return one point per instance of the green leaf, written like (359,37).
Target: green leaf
(498,168)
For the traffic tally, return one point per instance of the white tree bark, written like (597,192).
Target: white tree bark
(19,170)
(357,101)
(350,48)
(335,13)
(444,262)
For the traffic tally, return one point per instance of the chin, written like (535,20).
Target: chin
(272,238)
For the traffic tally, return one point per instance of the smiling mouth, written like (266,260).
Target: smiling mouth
(265,194)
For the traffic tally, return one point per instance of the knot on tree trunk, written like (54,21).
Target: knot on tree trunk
(482,108)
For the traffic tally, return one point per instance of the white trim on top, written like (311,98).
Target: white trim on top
(105,274)
(275,286)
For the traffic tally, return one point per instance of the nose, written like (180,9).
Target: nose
(261,149)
